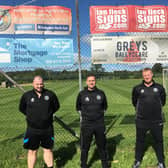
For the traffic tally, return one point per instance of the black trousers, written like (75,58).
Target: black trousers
(87,133)
(157,134)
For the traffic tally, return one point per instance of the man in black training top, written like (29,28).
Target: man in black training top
(38,105)
(91,104)
(148,99)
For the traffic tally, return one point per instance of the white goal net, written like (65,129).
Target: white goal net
(165,79)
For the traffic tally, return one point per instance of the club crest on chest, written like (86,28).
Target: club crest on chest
(87,99)
(32,99)
(142,90)
(155,89)
(98,97)
(46,98)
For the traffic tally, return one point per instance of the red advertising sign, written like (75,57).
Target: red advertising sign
(107,19)
(35,20)
(104,19)
(151,18)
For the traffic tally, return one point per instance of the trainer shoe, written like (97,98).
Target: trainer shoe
(136,164)
(161,165)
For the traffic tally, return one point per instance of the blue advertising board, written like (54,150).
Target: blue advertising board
(23,54)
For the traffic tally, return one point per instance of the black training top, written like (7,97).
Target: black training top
(39,111)
(91,104)
(148,102)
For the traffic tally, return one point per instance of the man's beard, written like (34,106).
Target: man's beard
(148,82)
(39,91)
(92,87)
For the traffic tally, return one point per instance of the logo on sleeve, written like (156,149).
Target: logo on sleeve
(98,97)
(142,91)
(87,99)
(155,89)
(46,98)
(32,99)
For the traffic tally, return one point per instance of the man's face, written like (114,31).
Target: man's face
(147,76)
(91,82)
(38,84)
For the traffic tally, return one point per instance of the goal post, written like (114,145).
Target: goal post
(165,79)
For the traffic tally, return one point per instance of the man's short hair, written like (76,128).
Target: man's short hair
(147,69)
(37,77)
(90,75)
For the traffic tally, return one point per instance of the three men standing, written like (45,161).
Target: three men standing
(39,104)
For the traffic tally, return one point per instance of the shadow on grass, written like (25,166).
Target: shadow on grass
(75,123)
(128,119)
(64,154)
(110,121)
(20,136)
(112,144)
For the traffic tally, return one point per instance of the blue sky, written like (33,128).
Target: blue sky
(84,21)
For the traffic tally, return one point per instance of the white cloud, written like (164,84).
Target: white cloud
(3,50)
(5,58)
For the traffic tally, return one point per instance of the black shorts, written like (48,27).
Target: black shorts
(35,138)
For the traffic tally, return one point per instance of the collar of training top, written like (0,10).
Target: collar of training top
(143,82)
(43,90)
(86,88)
